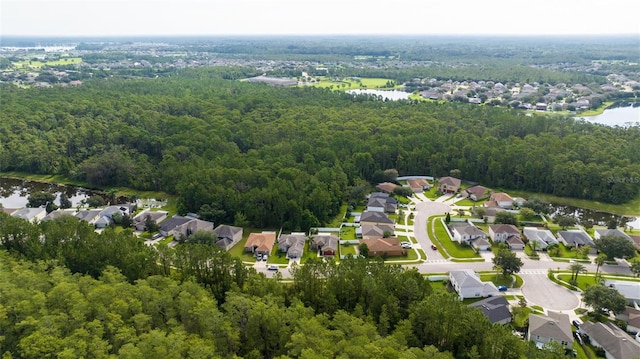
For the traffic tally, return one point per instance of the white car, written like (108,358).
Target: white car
(405,245)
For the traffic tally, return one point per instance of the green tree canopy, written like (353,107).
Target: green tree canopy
(615,247)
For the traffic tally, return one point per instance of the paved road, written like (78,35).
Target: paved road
(539,290)
(424,211)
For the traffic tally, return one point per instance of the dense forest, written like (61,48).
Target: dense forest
(290,157)
(68,292)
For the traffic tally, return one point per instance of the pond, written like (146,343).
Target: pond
(622,114)
(597,217)
(393,95)
(14,192)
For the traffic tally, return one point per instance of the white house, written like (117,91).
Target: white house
(630,290)
(466,232)
(30,214)
(467,284)
(502,199)
(500,232)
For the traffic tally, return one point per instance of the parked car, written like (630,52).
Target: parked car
(502,288)
(576,323)
(433,246)
(405,245)
(259,256)
(272,267)
(265,257)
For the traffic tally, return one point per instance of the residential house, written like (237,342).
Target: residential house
(182,227)
(140,220)
(496,309)
(228,236)
(552,327)
(506,233)
(260,243)
(449,184)
(386,187)
(629,290)
(599,233)
(106,216)
(500,232)
(614,341)
(59,213)
(377,218)
(384,247)
(382,204)
(89,215)
(467,284)
(30,214)
(502,200)
(368,231)
(292,244)
(576,238)
(8,211)
(631,316)
(475,193)
(418,185)
(543,237)
(490,213)
(325,244)
(466,233)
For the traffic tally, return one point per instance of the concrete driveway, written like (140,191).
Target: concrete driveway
(540,290)
(424,210)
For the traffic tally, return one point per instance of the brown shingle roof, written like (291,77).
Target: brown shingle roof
(263,242)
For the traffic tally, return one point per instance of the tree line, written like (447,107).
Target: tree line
(289,157)
(197,301)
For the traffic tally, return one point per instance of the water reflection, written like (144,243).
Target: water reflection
(14,192)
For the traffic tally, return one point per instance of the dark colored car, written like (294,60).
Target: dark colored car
(433,246)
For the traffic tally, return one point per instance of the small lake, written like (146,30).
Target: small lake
(393,95)
(14,192)
(597,217)
(622,114)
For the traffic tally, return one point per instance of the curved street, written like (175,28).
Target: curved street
(537,288)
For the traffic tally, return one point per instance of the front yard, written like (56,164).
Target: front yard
(453,248)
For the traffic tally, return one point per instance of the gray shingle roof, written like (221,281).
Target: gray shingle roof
(612,339)
(494,308)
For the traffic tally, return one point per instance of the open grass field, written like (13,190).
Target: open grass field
(39,64)
(454,249)
(346,84)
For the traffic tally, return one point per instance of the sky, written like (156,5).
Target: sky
(305,17)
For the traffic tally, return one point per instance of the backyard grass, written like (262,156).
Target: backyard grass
(277,256)
(564,252)
(348,233)
(454,249)
(339,218)
(346,249)
(520,316)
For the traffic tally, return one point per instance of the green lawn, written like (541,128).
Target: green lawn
(335,223)
(586,280)
(38,64)
(277,257)
(166,240)
(501,280)
(346,84)
(520,316)
(308,254)
(453,248)
(431,194)
(564,252)
(238,249)
(468,202)
(346,249)
(348,233)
